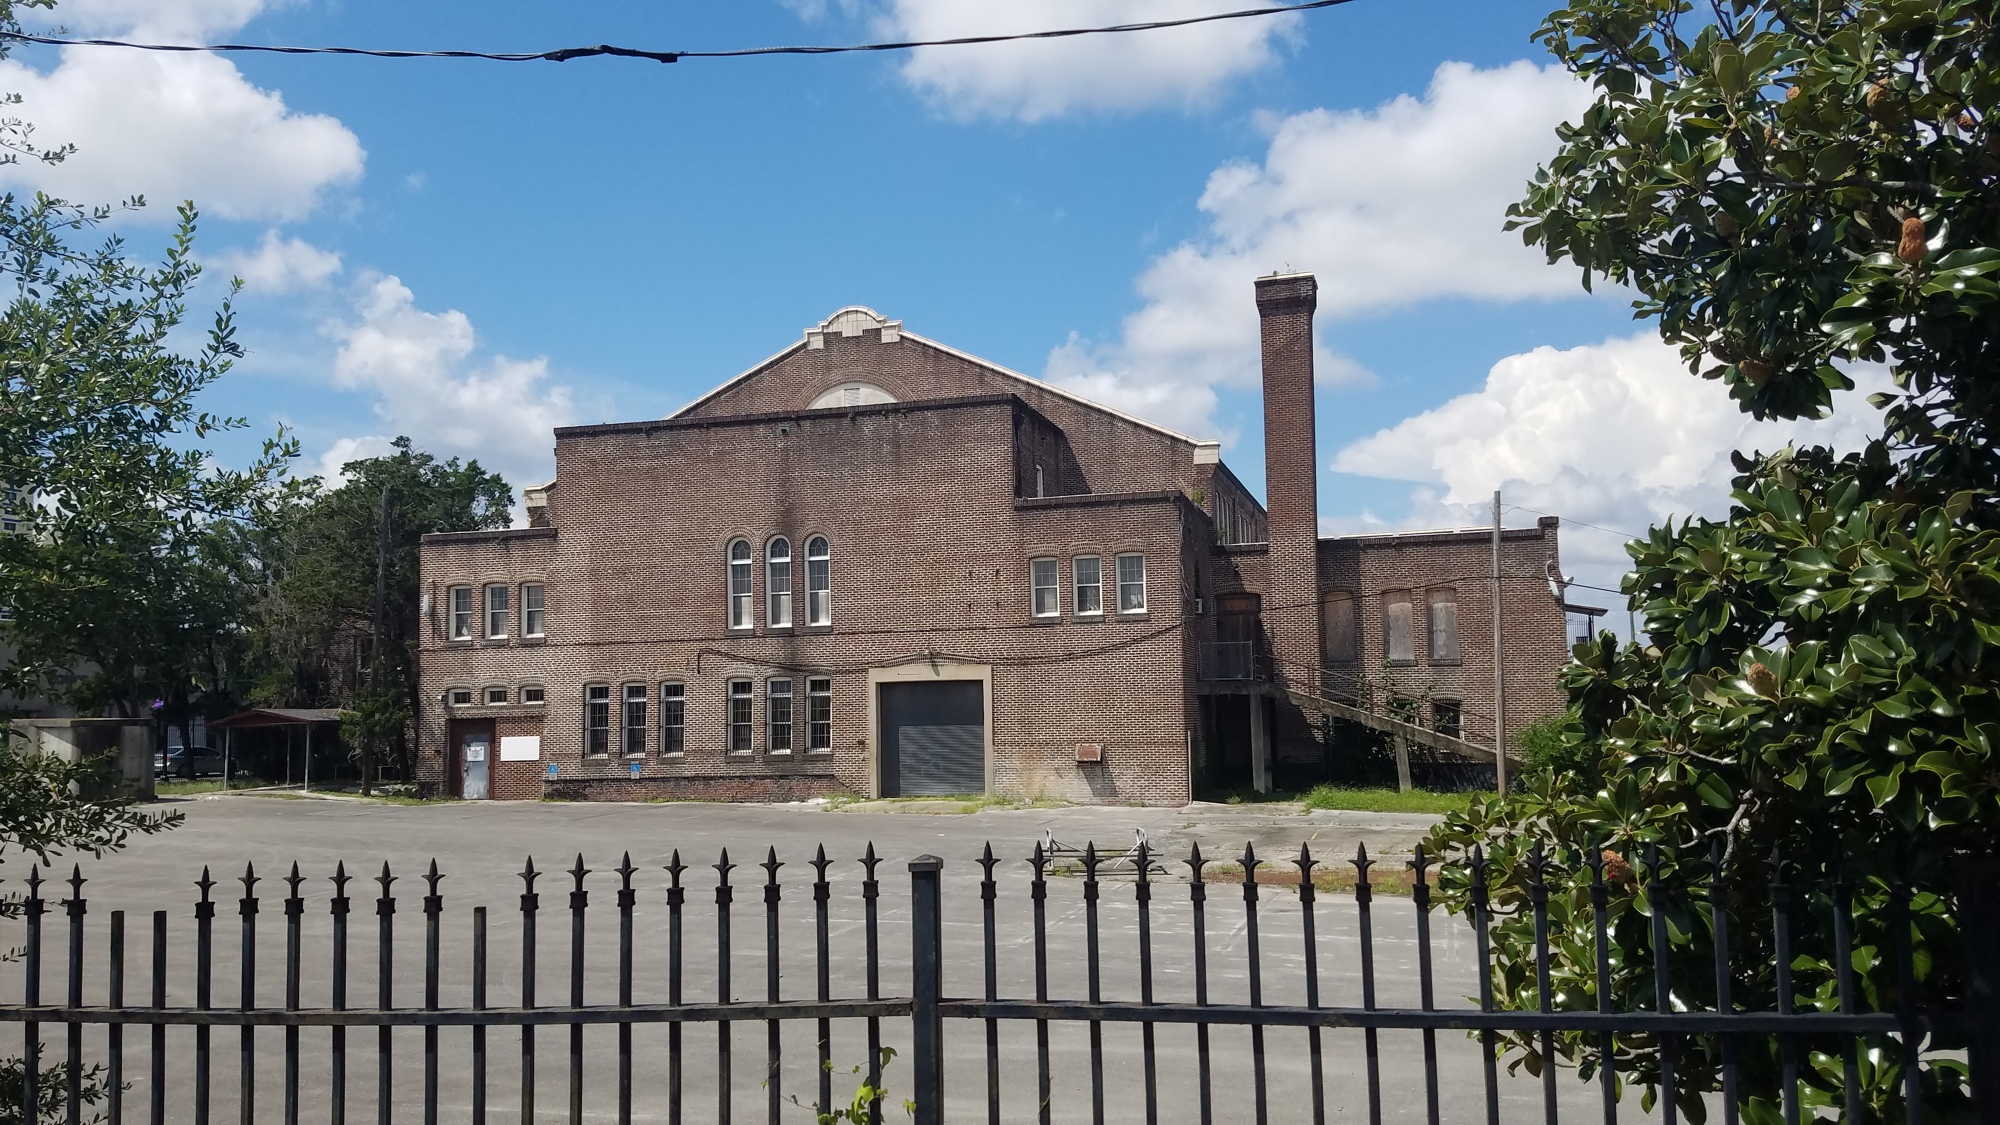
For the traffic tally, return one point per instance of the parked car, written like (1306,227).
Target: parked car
(179,761)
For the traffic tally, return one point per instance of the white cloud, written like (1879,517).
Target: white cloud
(1617,434)
(1389,207)
(350,449)
(174,127)
(1038,79)
(419,367)
(280,265)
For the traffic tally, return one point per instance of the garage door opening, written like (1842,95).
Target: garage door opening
(933,739)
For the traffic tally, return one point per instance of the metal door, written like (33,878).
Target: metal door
(474,750)
(933,739)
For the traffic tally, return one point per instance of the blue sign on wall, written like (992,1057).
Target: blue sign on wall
(635,770)
(552,769)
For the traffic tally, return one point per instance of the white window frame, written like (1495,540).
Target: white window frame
(1095,602)
(459,697)
(742,578)
(819,715)
(673,719)
(541,694)
(488,693)
(534,609)
(778,583)
(458,617)
(780,715)
(632,720)
(819,581)
(1045,576)
(499,614)
(1124,584)
(597,720)
(745,693)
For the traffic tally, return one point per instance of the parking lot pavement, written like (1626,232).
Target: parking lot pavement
(480,848)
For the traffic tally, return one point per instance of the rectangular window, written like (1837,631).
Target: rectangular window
(1448,717)
(819,714)
(495,696)
(461,697)
(635,720)
(673,718)
(534,617)
(1046,587)
(1396,639)
(741,700)
(460,609)
(496,611)
(597,719)
(1337,612)
(778,715)
(532,694)
(1443,618)
(1131,583)
(819,582)
(1089,573)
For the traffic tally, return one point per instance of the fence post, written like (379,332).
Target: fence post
(926,987)
(1978,918)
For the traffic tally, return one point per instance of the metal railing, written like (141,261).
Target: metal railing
(1228,660)
(927,1007)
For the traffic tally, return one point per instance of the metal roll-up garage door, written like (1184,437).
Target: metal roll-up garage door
(933,739)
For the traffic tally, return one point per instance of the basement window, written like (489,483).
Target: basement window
(1448,717)
(496,696)
(533,694)
(459,697)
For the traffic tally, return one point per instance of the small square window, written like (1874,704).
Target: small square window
(460,697)
(533,694)
(496,696)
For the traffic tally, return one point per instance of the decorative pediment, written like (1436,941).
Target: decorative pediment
(853,321)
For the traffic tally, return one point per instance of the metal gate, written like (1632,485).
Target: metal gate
(933,739)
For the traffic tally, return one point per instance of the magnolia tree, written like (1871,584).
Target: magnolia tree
(1794,190)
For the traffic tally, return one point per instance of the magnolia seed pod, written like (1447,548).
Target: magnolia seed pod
(1755,370)
(1877,97)
(1722,351)
(1792,94)
(1966,122)
(1911,248)
(1726,224)
(1763,681)
(1770,136)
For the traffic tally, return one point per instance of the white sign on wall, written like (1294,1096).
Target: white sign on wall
(521,748)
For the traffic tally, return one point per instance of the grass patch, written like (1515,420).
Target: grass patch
(1386,800)
(186,787)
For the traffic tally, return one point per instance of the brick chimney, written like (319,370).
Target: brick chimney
(1285,304)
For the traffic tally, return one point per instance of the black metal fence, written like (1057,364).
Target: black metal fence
(917,1014)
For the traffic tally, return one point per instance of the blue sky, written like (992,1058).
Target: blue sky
(470,253)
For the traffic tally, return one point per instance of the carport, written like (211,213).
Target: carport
(265,717)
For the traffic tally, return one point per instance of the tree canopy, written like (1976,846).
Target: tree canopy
(1793,189)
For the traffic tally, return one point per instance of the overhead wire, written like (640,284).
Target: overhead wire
(567,54)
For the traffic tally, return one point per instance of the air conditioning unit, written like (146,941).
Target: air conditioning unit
(1200,606)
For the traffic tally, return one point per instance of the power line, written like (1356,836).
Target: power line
(565,54)
(1578,522)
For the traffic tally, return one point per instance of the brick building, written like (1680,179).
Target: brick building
(875,564)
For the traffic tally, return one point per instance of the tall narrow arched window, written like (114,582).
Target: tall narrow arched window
(819,581)
(778,582)
(740,579)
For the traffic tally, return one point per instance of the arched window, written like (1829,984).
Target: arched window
(740,578)
(778,582)
(819,581)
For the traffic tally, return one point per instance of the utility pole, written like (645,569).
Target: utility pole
(375,639)
(1499,663)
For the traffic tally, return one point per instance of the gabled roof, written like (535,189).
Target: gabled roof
(855,319)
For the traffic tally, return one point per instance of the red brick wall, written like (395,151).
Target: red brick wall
(1533,626)
(1291,470)
(930,560)
(1113,454)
